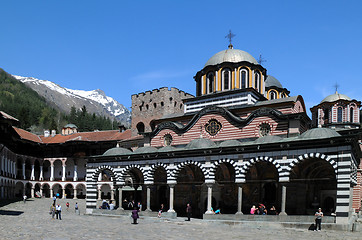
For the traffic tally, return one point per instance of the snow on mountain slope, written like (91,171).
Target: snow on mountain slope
(95,101)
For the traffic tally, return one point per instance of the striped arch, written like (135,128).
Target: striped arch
(221,161)
(180,166)
(249,163)
(150,175)
(99,169)
(307,156)
(127,169)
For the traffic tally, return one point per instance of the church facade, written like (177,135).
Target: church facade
(241,141)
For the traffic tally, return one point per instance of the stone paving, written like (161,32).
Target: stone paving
(32,221)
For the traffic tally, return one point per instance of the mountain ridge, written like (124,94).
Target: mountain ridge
(96,101)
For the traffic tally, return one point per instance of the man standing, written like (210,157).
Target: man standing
(188,211)
(59,210)
(24,198)
(318,219)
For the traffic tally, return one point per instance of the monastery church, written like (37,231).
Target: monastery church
(241,141)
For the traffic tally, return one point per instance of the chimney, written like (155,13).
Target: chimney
(46,133)
(54,132)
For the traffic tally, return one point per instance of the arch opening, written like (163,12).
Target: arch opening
(262,186)
(189,188)
(312,185)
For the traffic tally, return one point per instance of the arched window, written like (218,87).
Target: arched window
(272,95)
(339,114)
(326,115)
(226,78)
(140,127)
(351,115)
(257,81)
(152,125)
(244,73)
(210,83)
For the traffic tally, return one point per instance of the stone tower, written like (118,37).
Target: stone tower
(151,105)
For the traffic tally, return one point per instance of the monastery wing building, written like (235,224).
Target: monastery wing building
(241,141)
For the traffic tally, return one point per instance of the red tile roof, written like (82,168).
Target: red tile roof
(111,135)
(27,135)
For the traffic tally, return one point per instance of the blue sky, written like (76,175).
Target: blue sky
(128,47)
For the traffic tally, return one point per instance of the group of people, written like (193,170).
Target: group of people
(56,209)
(262,210)
(106,205)
(131,204)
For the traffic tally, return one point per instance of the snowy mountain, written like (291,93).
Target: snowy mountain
(62,98)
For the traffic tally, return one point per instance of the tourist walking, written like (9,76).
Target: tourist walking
(54,200)
(67,205)
(188,211)
(24,198)
(318,220)
(135,215)
(76,208)
(59,211)
(52,211)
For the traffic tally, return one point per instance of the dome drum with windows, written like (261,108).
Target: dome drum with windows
(228,70)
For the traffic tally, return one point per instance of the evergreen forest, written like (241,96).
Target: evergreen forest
(35,115)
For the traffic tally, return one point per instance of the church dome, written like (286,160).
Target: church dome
(146,149)
(117,151)
(335,97)
(272,82)
(230,55)
(319,133)
(268,139)
(230,143)
(200,143)
(167,149)
(70,125)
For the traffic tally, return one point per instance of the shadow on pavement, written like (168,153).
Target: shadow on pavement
(10,212)
(4,202)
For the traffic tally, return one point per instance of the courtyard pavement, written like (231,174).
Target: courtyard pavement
(32,221)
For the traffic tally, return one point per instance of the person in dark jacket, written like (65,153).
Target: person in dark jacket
(135,215)
(188,211)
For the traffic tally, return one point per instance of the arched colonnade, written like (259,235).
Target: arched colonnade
(232,185)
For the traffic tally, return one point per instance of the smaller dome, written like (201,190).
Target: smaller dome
(268,139)
(272,82)
(117,151)
(167,149)
(200,143)
(147,149)
(335,97)
(319,133)
(230,143)
(70,125)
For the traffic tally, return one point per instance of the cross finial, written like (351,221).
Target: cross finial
(261,59)
(230,36)
(336,86)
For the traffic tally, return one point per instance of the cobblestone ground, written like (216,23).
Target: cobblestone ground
(32,221)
